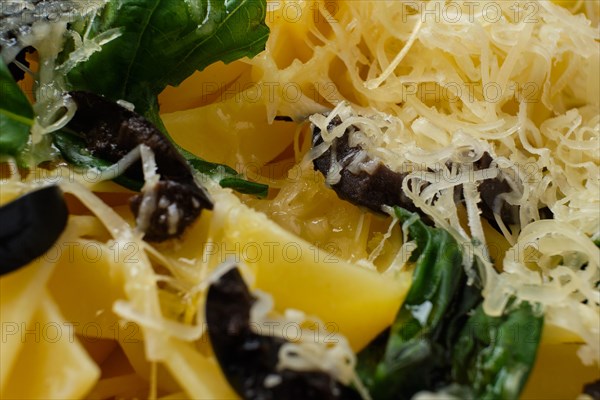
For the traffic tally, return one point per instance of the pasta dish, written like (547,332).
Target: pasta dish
(324,199)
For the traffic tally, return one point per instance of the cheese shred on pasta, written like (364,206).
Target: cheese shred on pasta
(456,80)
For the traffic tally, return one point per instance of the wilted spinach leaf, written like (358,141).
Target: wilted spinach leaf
(414,356)
(494,355)
(436,343)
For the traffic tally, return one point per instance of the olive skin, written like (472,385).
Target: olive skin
(29,226)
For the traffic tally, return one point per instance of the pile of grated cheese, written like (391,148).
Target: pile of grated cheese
(430,82)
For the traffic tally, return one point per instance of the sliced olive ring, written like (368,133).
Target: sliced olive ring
(29,226)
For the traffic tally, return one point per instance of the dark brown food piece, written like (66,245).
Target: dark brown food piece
(247,358)
(489,190)
(384,186)
(185,196)
(592,389)
(112,131)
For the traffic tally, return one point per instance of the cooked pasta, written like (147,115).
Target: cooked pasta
(106,314)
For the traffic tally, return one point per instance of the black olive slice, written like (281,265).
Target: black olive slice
(249,360)
(29,226)
(592,389)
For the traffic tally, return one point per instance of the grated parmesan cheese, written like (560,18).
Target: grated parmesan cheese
(151,178)
(439,88)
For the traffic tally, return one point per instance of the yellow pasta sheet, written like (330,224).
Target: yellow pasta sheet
(51,363)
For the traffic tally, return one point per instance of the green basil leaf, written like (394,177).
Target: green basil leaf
(16,115)
(165,41)
(162,42)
